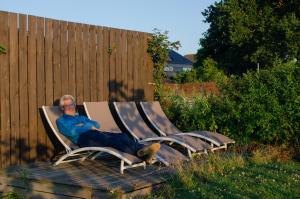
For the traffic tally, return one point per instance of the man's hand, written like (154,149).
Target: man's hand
(94,128)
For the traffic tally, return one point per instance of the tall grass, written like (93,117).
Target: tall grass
(235,174)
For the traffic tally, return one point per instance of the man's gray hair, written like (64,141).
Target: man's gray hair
(66,97)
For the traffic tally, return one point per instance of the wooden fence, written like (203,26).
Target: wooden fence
(47,58)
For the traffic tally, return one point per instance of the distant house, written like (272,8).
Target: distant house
(177,63)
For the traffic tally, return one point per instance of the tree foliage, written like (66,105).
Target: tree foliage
(243,33)
(158,48)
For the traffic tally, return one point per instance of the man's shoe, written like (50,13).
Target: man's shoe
(150,159)
(149,150)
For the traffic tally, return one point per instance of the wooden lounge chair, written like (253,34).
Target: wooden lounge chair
(134,123)
(74,152)
(100,112)
(160,122)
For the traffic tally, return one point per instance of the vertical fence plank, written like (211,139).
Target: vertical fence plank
(144,73)
(56,60)
(130,49)
(42,140)
(86,64)
(64,57)
(52,65)
(72,58)
(140,91)
(48,61)
(124,65)
(14,87)
(118,67)
(100,67)
(23,139)
(93,54)
(79,67)
(5,108)
(149,76)
(142,66)
(32,86)
(135,66)
(106,64)
(112,64)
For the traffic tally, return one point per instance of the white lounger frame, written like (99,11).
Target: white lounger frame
(216,145)
(86,152)
(189,148)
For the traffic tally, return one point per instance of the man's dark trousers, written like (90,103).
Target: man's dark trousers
(119,141)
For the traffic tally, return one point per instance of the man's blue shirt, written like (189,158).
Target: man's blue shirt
(73,126)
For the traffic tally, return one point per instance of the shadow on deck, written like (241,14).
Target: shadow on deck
(86,179)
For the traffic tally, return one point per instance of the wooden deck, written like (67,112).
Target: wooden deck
(86,179)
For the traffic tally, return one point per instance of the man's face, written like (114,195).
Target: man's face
(69,107)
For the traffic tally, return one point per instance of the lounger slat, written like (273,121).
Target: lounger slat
(215,136)
(198,144)
(171,155)
(99,111)
(54,112)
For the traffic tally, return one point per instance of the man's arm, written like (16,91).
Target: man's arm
(71,130)
(94,123)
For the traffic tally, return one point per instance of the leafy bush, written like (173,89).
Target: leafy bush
(186,77)
(262,107)
(209,71)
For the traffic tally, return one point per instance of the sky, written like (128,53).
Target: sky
(183,19)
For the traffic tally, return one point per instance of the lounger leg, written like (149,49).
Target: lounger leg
(86,156)
(205,152)
(189,153)
(122,167)
(96,155)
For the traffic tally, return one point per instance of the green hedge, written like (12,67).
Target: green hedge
(262,107)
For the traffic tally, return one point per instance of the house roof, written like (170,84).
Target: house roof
(191,57)
(176,58)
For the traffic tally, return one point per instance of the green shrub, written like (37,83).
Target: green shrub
(209,72)
(262,107)
(186,77)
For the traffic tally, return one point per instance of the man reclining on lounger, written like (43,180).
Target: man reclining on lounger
(85,133)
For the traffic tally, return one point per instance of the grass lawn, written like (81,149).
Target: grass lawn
(233,176)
